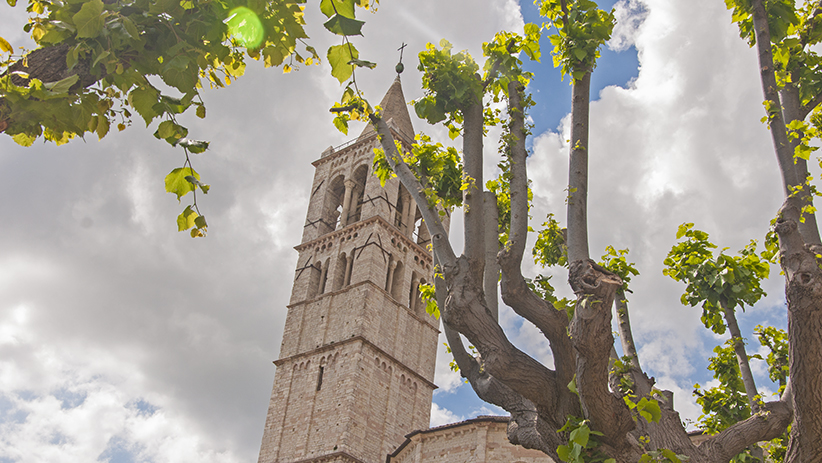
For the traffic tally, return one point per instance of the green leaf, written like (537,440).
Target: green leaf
(143,100)
(341,25)
(339,56)
(170,132)
(342,7)
(177,183)
(176,73)
(102,126)
(273,56)
(24,139)
(165,129)
(201,111)
(62,85)
(580,435)
(363,64)
(572,386)
(193,146)
(89,20)
(341,123)
(186,219)
(200,222)
(131,28)
(564,452)
(6,46)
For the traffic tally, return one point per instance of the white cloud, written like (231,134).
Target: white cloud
(447,379)
(441,416)
(629,15)
(78,405)
(102,300)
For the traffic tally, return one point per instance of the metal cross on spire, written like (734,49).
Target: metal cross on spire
(400,67)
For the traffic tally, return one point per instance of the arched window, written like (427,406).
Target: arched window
(398,210)
(360,176)
(421,235)
(339,272)
(315,272)
(323,277)
(332,206)
(405,212)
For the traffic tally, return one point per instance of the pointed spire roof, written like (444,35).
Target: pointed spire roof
(395,110)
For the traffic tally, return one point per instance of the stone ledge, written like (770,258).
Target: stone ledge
(350,340)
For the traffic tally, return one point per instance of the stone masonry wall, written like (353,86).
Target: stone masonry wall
(480,440)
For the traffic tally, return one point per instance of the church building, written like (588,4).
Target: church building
(354,380)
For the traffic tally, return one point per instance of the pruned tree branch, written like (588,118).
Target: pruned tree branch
(515,292)
(590,331)
(439,237)
(769,423)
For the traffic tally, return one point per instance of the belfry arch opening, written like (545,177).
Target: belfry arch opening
(339,272)
(405,213)
(332,207)
(358,190)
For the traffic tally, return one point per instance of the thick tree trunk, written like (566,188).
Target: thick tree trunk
(474,228)
(515,292)
(578,171)
(590,332)
(803,288)
(48,64)
(792,110)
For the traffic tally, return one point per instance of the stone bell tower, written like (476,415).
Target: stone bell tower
(356,366)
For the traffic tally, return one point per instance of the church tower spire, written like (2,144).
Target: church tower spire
(394,112)
(356,365)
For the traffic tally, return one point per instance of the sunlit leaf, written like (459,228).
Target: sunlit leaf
(186,219)
(6,46)
(341,25)
(339,56)
(177,183)
(89,20)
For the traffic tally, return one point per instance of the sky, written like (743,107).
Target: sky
(123,340)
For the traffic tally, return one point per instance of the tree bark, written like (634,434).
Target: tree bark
(590,331)
(776,122)
(741,356)
(492,269)
(626,336)
(48,64)
(792,110)
(769,423)
(515,292)
(803,289)
(472,139)
(578,171)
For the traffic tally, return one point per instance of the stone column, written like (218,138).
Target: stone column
(391,267)
(349,264)
(349,189)
(409,214)
(412,295)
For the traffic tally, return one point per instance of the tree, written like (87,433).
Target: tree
(590,405)
(100,62)
(593,406)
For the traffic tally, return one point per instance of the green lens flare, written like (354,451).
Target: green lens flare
(245,27)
